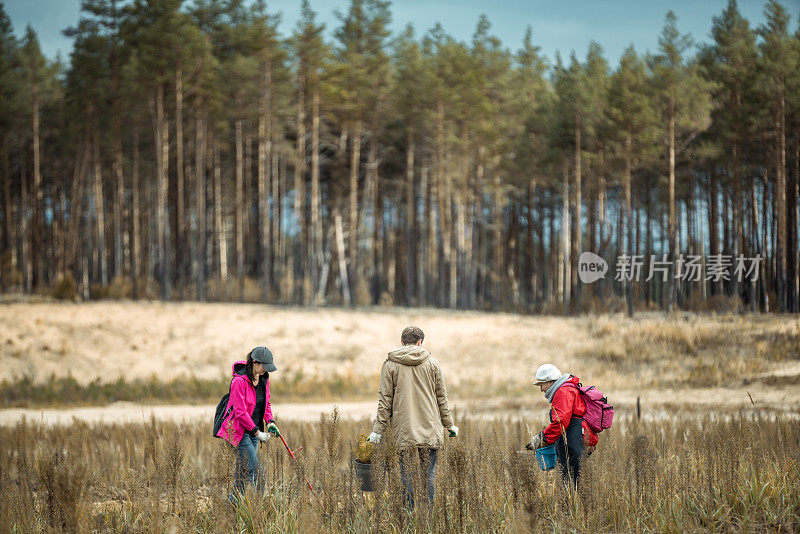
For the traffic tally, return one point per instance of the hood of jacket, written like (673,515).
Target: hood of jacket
(239,368)
(409,355)
(550,393)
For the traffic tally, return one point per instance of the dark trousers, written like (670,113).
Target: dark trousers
(569,452)
(427,461)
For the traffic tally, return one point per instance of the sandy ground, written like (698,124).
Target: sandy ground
(107,340)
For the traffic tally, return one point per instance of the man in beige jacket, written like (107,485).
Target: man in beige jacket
(412,398)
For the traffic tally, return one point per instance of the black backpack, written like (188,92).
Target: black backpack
(220,414)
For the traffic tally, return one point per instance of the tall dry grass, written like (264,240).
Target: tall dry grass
(687,349)
(731,473)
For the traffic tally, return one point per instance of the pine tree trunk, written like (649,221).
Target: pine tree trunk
(278,243)
(57,248)
(423,259)
(791,239)
(601,204)
(542,272)
(76,192)
(25,238)
(342,257)
(499,292)
(671,225)
(795,224)
(117,169)
(287,255)
(476,207)
(690,223)
(322,286)
(100,213)
(316,212)
(135,242)
(250,202)
(37,228)
(9,233)
(443,202)
(599,244)
(765,240)
(355,157)
(389,256)
(151,209)
(759,288)
(432,210)
(262,197)
(381,267)
(451,250)
(565,248)
(370,203)
(299,196)
(201,238)
(220,234)
(412,286)
(553,258)
(780,193)
(529,272)
(119,191)
(648,286)
(165,256)
(466,267)
(457,269)
(773,234)
(737,217)
(628,226)
(591,208)
(264,158)
(239,239)
(162,177)
(86,227)
(713,221)
(180,237)
(577,222)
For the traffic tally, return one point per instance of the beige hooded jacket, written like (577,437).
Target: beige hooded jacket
(412,398)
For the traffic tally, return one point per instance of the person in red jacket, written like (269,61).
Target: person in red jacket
(566,429)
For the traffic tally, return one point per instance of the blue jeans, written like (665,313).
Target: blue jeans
(427,460)
(247,466)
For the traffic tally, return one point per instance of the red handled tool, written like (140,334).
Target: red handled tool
(291,453)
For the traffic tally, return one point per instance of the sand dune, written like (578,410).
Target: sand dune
(107,340)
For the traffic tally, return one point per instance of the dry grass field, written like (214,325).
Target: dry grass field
(732,474)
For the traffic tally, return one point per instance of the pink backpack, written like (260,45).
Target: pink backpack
(599,413)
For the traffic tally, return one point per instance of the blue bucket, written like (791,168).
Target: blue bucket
(546,456)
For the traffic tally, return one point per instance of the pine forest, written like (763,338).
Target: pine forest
(188,150)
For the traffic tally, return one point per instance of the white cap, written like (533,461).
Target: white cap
(546,373)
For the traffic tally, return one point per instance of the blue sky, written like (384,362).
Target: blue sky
(557,24)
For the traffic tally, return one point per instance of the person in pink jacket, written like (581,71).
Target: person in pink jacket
(246,414)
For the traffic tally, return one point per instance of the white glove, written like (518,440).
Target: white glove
(374,438)
(535,443)
(262,436)
(453,431)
